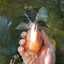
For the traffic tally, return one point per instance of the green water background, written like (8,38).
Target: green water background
(14,10)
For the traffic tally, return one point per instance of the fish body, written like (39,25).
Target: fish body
(33,41)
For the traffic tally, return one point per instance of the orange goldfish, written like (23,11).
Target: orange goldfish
(33,41)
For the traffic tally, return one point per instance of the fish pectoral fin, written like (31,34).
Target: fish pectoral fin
(22,25)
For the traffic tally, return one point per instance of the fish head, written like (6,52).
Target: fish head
(34,33)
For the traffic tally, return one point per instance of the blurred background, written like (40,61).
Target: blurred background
(12,13)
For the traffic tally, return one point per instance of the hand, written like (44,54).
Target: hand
(45,56)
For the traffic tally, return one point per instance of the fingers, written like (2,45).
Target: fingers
(22,42)
(21,50)
(23,34)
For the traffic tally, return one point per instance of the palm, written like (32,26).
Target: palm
(34,59)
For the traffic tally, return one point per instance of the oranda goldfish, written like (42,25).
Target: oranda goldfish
(33,41)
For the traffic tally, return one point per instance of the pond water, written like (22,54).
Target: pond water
(12,13)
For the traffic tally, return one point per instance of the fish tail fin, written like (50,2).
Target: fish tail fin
(42,14)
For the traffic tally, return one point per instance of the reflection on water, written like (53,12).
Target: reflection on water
(14,14)
(6,45)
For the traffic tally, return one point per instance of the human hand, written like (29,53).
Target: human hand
(45,56)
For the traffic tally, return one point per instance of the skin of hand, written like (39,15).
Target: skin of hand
(46,55)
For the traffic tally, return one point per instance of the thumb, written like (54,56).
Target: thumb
(45,38)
